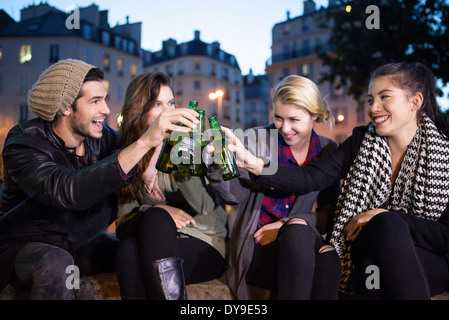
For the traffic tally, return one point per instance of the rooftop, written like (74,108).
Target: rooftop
(44,20)
(196,47)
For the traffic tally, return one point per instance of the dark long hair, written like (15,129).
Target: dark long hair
(416,77)
(141,94)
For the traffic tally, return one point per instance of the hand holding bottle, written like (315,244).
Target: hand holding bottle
(169,121)
(245,159)
(160,129)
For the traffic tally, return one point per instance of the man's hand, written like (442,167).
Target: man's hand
(160,129)
(166,122)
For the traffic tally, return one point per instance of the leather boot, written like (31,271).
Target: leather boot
(168,279)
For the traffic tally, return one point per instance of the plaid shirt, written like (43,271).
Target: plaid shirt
(276,205)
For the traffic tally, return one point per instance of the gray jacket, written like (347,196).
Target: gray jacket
(249,197)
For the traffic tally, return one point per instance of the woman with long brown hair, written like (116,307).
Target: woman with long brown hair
(171,228)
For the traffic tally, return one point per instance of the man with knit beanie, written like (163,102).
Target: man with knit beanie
(62,170)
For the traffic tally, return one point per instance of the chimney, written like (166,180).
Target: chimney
(288,14)
(309,6)
(197,35)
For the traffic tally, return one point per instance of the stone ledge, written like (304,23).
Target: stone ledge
(104,286)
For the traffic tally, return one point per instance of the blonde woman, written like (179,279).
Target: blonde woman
(274,243)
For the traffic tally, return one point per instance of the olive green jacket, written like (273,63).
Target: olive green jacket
(189,194)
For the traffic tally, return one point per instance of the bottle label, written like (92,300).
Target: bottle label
(186,152)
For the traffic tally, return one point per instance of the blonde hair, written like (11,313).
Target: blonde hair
(303,93)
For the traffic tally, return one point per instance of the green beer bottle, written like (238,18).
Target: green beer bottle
(193,104)
(223,158)
(164,162)
(189,150)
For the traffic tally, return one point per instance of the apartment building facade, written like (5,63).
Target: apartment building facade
(199,69)
(42,37)
(294,45)
(257,100)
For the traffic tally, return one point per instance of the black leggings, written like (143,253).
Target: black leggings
(152,235)
(293,267)
(406,271)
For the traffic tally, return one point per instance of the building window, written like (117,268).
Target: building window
(305,24)
(178,88)
(106,62)
(124,44)
(197,65)
(54,52)
(225,73)
(25,53)
(131,47)
(181,67)
(306,47)
(87,31)
(117,42)
(197,85)
(169,70)
(286,29)
(105,38)
(305,70)
(120,66)
(23,113)
(133,69)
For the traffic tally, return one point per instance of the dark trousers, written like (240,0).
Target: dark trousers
(44,267)
(293,268)
(406,271)
(152,235)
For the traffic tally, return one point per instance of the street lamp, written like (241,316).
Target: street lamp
(219,96)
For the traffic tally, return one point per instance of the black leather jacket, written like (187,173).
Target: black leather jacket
(46,197)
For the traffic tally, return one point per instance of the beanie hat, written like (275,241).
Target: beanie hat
(57,88)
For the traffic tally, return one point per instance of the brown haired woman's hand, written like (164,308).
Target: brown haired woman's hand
(355,223)
(167,122)
(179,216)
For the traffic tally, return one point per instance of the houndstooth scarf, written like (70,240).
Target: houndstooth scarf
(421,187)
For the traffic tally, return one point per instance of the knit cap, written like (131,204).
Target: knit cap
(57,88)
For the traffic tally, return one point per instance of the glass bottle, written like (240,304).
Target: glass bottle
(190,149)
(224,159)
(164,162)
